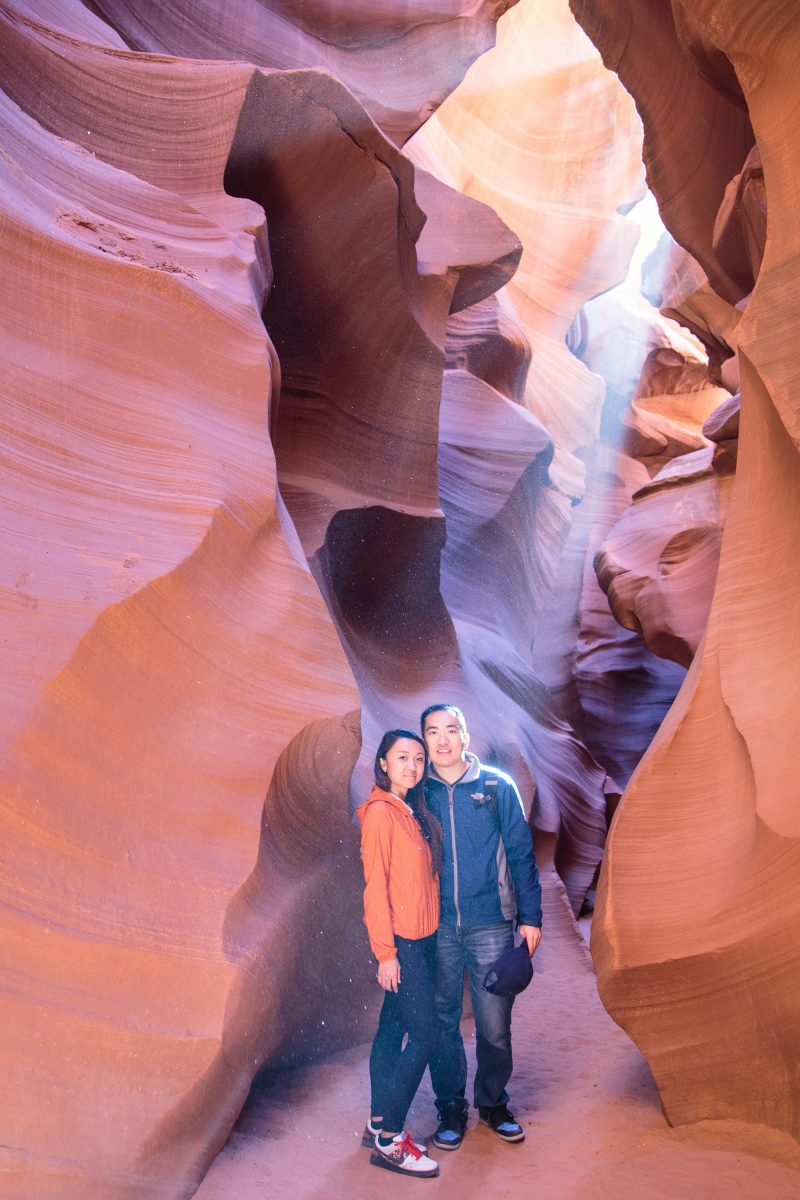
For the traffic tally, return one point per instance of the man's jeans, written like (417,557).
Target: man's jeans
(476,948)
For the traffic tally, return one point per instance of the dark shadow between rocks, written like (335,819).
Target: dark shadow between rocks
(379,573)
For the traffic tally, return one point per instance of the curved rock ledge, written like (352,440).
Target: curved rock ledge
(696,936)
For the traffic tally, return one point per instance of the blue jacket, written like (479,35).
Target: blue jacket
(485,878)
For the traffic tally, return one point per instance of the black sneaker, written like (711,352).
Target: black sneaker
(452,1124)
(503,1122)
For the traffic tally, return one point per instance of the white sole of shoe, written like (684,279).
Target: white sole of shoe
(448,1145)
(516,1137)
(380,1160)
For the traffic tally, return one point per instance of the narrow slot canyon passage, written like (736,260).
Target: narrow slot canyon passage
(585,1096)
(364,355)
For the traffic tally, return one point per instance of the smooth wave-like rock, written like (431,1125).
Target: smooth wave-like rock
(658,565)
(249,335)
(696,936)
(624,690)
(740,230)
(167,642)
(170,658)
(516,136)
(697,129)
(656,402)
(399,59)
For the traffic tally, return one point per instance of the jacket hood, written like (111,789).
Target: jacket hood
(386,798)
(470,775)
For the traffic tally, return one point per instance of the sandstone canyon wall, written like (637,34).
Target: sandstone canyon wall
(547,137)
(697,941)
(291,450)
(148,688)
(179,717)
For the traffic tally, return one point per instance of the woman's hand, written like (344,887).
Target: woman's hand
(389,975)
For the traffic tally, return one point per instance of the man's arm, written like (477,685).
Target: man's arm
(532,935)
(518,842)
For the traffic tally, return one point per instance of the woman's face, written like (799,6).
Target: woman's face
(404,764)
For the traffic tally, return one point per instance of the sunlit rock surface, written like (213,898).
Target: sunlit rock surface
(658,564)
(277,448)
(697,129)
(400,58)
(169,659)
(516,136)
(697,933)
(591,694)
(624,688)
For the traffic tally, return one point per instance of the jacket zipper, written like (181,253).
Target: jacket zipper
(455,855)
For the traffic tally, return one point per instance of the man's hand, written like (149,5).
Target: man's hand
(389,975)
(532,935)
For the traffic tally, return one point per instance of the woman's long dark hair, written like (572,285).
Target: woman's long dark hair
(415,798)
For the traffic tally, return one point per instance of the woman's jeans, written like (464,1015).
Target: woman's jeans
(476,948)
(396,1071)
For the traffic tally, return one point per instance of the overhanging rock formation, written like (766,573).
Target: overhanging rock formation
(170,660)
(278,448)
(697,937)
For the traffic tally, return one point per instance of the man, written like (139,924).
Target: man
(488,879)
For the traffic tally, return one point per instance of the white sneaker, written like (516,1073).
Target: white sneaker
(371,1132)
(402,1155)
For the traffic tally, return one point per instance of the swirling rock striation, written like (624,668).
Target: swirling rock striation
(662,51)
(170,659)
(399,59)
(696,939)
(516,136)
(658,564)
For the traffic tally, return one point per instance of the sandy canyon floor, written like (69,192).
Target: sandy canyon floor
(595,1129)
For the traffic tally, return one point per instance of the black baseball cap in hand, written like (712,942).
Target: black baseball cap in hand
(511,973)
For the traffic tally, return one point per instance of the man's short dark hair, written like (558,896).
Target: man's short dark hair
(451,708)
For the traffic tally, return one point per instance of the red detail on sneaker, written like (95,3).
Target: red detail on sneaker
(401,1148)
(408,1146)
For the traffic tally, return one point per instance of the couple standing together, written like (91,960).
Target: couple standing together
(449,867)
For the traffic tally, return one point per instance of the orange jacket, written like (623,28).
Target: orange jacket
(401,895)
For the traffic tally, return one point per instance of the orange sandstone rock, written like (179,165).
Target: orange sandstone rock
(516,136)
(697,939)
(694,146)
(399,59)
(167,643)
(171,660)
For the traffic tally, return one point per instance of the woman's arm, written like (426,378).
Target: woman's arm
(376,855)
(389,975)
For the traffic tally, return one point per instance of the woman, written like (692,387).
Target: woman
(401,848)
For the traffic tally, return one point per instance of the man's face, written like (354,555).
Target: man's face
(445,739)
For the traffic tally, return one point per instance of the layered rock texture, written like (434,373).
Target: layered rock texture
(166,648)
(517,136)
(307,424)
(697,939)
(180,889)
(542,168)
